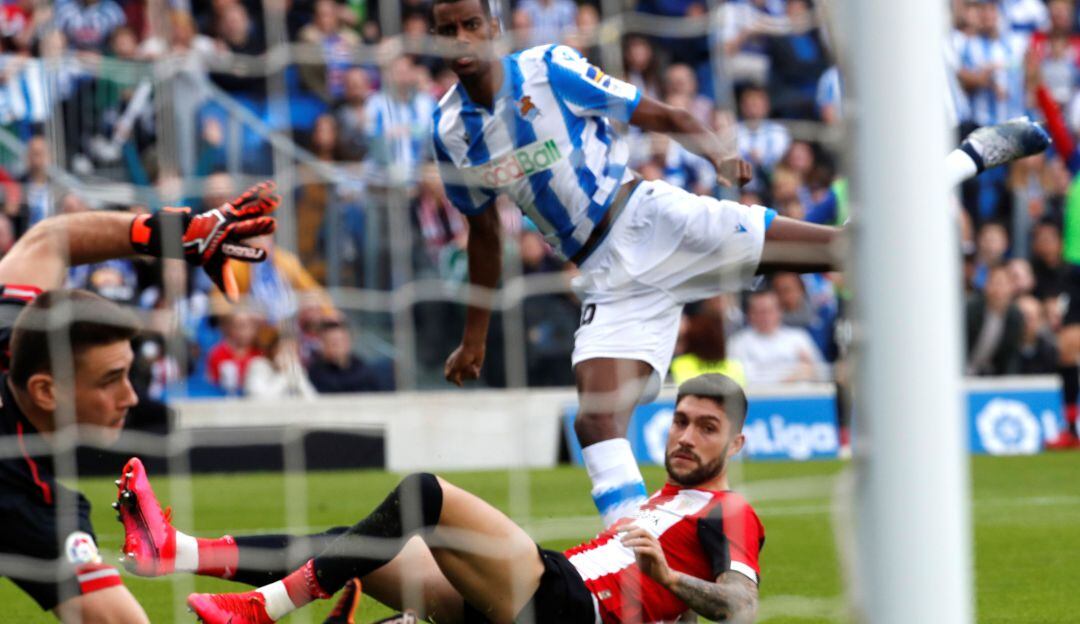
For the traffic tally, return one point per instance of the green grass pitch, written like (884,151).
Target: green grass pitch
(1026,512)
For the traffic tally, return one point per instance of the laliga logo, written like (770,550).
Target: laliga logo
(776,436)
(1008,427)
(81,549)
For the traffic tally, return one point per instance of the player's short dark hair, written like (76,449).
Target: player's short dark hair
(720,389)
(85,319)
(485,5)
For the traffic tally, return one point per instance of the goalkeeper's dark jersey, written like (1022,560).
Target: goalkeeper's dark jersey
(43,523)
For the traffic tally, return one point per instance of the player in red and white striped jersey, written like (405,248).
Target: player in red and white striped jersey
(693,546)
(702,533)
(692,534)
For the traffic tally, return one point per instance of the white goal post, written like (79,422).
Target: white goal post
(913,550)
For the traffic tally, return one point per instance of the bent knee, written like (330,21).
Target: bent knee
(593,427)
(423,490)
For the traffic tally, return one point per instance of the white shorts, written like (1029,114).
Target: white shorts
(667,248)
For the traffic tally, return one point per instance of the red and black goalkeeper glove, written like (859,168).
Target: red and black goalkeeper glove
(212,238)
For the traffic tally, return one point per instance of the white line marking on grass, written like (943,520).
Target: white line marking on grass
(801,607)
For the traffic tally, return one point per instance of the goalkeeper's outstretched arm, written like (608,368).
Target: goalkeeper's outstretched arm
(42,256)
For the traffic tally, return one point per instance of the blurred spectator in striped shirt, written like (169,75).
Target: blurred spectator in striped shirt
(985,60)
(1025,16)
(760,141)
(337,43)
(88,23)
(398,123)
(549,19)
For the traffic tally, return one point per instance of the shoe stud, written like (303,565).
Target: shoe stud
(117,482)
(115,505)
(129,475)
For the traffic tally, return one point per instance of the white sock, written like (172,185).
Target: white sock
(187,553)
(959,167)
(618,487)
(278,603)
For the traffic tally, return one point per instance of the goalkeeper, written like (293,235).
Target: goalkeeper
(47,545)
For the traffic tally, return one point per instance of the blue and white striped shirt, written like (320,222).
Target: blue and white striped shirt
(30,91)
(546,143)
(1025,16)
(763,144)
(88,27)
(550,21)
(976,52)
(398,132)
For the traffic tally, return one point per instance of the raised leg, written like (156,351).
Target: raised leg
(608,390)
(801,247)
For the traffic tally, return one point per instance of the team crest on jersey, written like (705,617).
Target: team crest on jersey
(527,109)
(81,549)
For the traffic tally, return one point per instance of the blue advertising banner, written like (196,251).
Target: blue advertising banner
(1007,416)
(777,427)
(1013,418)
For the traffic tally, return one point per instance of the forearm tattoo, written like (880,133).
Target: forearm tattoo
(732,598)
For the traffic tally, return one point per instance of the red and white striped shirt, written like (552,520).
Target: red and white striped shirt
(703,533)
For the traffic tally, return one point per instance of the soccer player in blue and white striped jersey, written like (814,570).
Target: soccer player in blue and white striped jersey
(540,126)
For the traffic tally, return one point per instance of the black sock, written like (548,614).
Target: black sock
(415,504)
(1070,384)
(267,558)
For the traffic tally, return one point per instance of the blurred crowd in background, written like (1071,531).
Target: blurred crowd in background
(148,93)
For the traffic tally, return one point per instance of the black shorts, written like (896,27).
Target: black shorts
(562,597)
(28,528)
